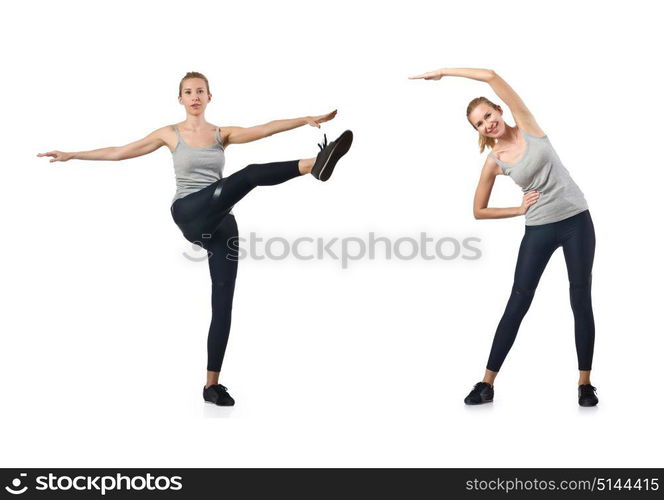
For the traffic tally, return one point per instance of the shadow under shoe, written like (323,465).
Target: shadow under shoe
(218,394)
(481,393)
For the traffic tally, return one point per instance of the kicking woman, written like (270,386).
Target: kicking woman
(556,215)
(202,204)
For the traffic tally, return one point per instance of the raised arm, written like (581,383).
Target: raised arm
(141,147)
(522,115)
(240,135)
(483,193)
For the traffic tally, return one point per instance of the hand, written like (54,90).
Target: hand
(57,156)
(431,75)
(528,199)
(315,121)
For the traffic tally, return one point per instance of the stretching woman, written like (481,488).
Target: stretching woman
(556,214)
(202,204)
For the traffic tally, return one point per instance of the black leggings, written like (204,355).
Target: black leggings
(203,219)
(576,235)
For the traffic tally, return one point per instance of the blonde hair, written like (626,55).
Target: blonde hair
(483,141)
(193,74)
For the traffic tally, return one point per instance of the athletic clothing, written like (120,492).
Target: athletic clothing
(540,169)
(204,218)
(576,235)
(196,167)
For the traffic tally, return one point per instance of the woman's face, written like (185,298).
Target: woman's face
(194,96)
(487,120)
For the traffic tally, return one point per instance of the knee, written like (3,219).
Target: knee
(579,293)
(252,172)
(520,300)
(223,284)
(522,293)
(222,291)
(522,290)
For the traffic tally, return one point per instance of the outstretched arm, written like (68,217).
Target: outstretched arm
(483,193)
(522,115)
(141,147)
(240,135)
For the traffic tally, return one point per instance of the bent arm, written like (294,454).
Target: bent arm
(483,193)
(141,147)
(241,135)
(522,115)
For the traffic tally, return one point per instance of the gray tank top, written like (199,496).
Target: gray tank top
(196,167)
(540,169)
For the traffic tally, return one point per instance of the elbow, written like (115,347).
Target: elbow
(115,154)
(266,130)
(491,74)
(477,213)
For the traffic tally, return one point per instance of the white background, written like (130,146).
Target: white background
(104,321)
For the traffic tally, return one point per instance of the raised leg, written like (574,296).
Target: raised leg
(236,186)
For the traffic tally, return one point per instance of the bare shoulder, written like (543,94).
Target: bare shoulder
(491,167)
(224,133)
(160,136)
(168,136)
(530,126)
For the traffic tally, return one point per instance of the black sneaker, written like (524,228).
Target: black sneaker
(587,395)
(481,393)
(329,155)
(218,395)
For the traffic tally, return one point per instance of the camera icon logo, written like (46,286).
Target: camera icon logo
(16,483)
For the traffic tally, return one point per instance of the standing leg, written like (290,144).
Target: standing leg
(579,250)
(221,244)
(223,260)
(537,246)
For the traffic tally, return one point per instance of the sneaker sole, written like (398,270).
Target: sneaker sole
(480,403)
(213,403)
(341,147)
